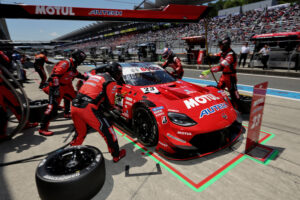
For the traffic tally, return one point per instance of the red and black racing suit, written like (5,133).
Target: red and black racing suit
(40,60)
(60,86)
(228,79)
(85,111)
(175,63)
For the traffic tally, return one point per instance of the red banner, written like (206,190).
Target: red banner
(256,114)
(176,13)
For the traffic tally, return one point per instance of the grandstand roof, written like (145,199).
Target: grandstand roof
(90,30)
(4,34)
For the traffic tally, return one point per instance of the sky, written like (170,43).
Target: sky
(45,30)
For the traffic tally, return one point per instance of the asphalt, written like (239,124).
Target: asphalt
(143,174)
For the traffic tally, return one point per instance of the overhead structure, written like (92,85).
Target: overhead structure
(169,13)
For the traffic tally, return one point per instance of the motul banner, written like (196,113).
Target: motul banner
(256,114)
(176,13)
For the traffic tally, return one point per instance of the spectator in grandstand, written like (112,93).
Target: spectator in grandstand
(265,56)
(244,54)
(174,62)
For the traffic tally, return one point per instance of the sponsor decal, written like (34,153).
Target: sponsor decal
(42,163)
(212,109)
(196,101)
(157,108)
(61,178)
(175,138)
(164,119)
(150,90)
(128,103)
(119,99)
(163,144)
(171,110)
(184,133)
(128,98)
(98,158)
(125,114)
(54,10)
(189,92)
(106,12)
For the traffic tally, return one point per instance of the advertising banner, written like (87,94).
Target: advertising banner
(256,114)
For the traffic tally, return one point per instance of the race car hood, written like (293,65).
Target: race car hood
(205,106)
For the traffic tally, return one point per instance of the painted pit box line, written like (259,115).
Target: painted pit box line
(213,177)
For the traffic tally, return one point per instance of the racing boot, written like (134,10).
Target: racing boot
(122,154)
(44,129)
(4,137)
(30,125)
(68,115)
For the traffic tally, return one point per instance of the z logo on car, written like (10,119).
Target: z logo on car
(150,90)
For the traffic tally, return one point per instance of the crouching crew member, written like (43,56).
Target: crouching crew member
(60,86)
(85,110)
(39,61)
(174,62)
(228,63)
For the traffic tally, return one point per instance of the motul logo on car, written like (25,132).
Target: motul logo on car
(196,101)
(53,10)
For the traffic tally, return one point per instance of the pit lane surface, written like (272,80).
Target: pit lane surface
(224,175)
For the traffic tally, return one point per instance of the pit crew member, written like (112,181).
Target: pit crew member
(228,63)
(60,86)
(39,61)
(172,61)
(85,110)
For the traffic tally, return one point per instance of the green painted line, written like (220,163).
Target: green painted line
(214,179)
(221,174)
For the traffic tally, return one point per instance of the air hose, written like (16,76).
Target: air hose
(24,113)
(206,46)
(36,156)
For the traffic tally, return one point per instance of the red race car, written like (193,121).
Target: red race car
(181,119)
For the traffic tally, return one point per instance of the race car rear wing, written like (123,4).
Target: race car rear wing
(169,13)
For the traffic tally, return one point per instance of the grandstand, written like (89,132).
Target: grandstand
(240,27)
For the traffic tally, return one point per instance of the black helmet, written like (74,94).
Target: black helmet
(115,70)
(225,42)
(79,56)
(167,53)
(44,51)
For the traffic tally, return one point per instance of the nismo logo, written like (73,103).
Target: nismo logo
(106,12)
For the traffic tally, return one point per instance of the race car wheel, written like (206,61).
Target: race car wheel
(145,126)
(76,172)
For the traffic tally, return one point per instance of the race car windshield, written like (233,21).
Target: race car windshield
(148,78)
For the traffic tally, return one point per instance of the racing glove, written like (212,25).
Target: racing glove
(205,72)
(54,90)
(54,87)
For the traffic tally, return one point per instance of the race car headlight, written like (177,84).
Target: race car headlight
(181,119)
